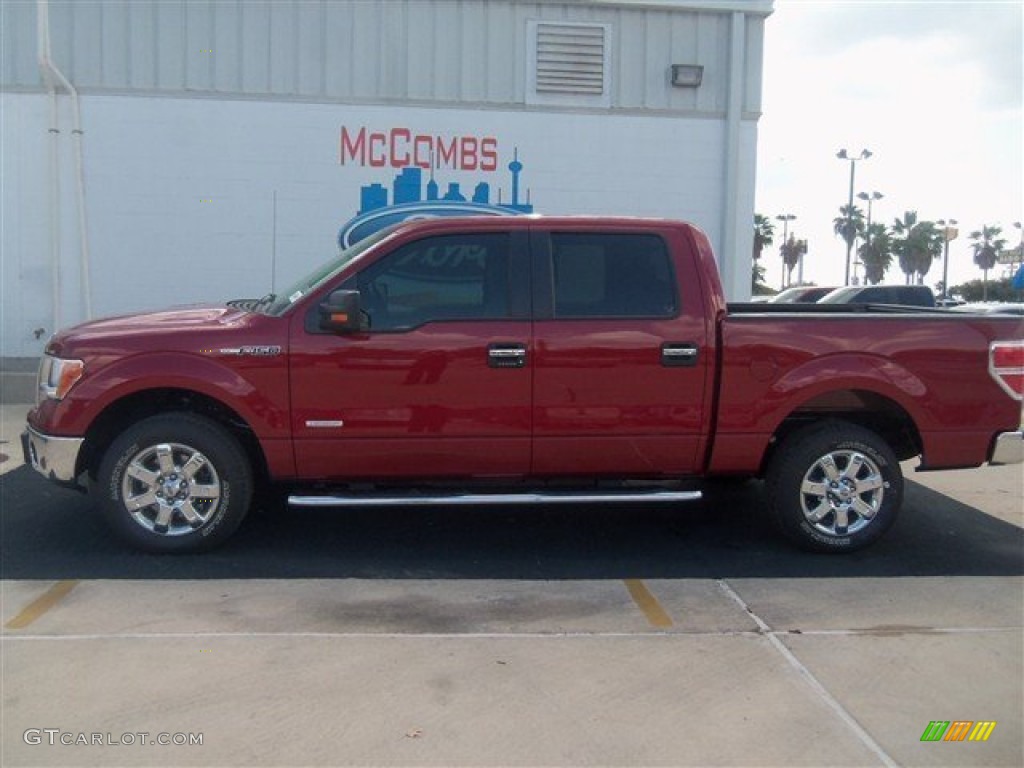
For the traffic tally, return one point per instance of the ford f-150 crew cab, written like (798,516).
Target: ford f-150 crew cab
(519,359)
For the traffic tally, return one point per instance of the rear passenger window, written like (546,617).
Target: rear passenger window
(612,275)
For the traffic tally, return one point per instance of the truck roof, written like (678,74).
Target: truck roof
(530,220)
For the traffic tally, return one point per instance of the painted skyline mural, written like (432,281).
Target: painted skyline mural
(410,197)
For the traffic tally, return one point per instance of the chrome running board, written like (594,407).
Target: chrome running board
(485,499)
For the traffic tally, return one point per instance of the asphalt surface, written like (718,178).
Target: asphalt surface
(639,635)
(51,533)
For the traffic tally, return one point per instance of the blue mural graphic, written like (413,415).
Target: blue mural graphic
(408,201)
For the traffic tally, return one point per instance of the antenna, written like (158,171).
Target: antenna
(273,246)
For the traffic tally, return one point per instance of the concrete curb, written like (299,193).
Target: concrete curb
(18,380)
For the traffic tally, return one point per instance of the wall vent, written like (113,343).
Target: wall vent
(569,64)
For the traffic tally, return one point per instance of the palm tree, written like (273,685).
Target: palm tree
(928,241)
(850,224)
(987,245)
(757,279)
(876,253)
(764,234)
(916,245)
(791,251)
(901,242)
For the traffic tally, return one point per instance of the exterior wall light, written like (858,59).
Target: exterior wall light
(687,75)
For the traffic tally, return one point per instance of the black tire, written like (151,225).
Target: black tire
(195,472)
(828,473)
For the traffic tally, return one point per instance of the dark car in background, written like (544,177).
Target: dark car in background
(905,295)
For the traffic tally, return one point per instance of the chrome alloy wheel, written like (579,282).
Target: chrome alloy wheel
(841,492)
(170,489)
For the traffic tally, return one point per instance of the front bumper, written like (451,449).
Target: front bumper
(55,458)
(1009,448)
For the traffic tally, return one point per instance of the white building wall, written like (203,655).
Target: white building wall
(26,310)
(185,154)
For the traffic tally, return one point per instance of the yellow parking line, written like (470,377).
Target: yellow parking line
(41,604)
(648,603)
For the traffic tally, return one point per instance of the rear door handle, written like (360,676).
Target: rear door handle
(679,355)
(506,355)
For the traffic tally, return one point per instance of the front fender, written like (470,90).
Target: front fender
(255,388)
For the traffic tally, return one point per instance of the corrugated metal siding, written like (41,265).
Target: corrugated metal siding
(447,51)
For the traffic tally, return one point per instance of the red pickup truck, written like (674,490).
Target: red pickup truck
(517,360)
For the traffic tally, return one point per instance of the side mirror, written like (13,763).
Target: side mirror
(341,313)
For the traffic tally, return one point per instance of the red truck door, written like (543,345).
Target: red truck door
(621,365)
(440,384)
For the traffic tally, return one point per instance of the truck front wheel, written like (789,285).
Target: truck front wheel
(176,482)
(834,487)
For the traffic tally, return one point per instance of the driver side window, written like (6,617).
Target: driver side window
(454,277)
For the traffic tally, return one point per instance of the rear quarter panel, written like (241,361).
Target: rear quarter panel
(934,366)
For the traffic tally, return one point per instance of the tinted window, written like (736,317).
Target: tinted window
(873,296)
(919,295)
(598,275)
(456,277)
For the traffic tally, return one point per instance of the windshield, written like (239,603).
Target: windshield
(839,295)
(324,272)
(789,296)
(806,294)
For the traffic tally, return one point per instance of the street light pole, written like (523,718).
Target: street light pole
(843,155)
(785,218)
(870,199)
(949,233)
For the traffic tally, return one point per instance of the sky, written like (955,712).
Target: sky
(933,90)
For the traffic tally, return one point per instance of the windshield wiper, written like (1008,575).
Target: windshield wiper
(252,305)
(266,301)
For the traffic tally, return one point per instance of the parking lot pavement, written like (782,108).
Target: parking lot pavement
(326,672)
(12,424)
(457,700)
(576,636)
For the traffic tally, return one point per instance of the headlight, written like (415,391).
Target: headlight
(57,377)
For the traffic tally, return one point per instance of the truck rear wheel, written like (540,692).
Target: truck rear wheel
(176,482)
(834,487)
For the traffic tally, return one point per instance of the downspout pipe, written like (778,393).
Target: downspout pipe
(46,70)
(52,76)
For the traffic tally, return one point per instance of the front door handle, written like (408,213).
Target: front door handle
(506,355)
(679,355)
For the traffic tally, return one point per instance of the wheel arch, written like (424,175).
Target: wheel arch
(142,404)
(866,408)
